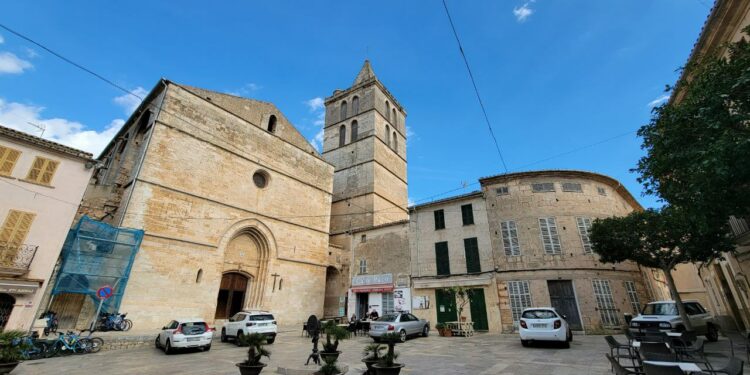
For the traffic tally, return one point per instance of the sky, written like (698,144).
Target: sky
(561,81)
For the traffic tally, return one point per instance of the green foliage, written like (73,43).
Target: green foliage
(390,356)
(464,296)
(255,351)
(8,351)
(697,146)
(329,367)
(439,326)
(334,334)
(372,351)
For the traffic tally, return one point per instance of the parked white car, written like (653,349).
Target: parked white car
(663,316)
(544,324)
(185,333)
(247,322)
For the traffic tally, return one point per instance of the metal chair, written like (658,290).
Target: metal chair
(616,349)
(694,353)
(653,351)
(622,370)
(662,370)
(734,367)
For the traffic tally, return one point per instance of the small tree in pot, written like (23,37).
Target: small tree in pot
(372,356)
(387,364)
(11,350)
(329,366)
(255,351)
(334,334)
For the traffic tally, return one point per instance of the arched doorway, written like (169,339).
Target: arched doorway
(232,292)
(334,305)
(6,307)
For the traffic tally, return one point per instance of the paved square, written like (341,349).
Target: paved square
(482,354)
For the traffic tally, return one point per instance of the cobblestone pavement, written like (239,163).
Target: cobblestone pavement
(482,354)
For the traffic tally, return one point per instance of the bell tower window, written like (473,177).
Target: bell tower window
(355,105)
(355,130)
(342,135)
(272,124)
(395,142)
(388,135)
(343,109)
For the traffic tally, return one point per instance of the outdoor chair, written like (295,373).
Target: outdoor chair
(652,351)
(623,370)
(662,370)
(734,367)
(352,328)
(694,353)
(619,350)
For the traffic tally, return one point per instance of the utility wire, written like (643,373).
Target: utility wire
(476,90)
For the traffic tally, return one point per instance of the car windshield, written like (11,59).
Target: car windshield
(539,314)
(193,328)
(255,318)
(388,318)
(660,309)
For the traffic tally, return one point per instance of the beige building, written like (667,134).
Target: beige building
(41,184)
(539,223)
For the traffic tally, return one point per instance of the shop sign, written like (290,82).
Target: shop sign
(385,278)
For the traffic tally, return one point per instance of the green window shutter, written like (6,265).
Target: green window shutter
(441,258)
(472,255)
(467,214)
(439,219)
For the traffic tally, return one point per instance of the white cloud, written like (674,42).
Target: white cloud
(70,133)
(12,64)
(659,101)
(31,53)
(317,105)
(523,12)
(410,202)
(246,90)
(130,102)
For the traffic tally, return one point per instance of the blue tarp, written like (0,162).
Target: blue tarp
(96,254)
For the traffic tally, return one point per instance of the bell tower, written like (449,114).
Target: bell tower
(365,140)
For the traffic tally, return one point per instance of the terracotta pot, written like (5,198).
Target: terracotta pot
(392,370)
(447,332)
(250,369)
(330,356)
(6,368)
(369,363)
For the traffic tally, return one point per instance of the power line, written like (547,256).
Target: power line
(476,90)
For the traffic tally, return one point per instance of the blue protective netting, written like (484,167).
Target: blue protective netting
(96,254)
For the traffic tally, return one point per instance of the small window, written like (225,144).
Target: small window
(601,191)
(355,105)
(281,283)
(362,266)
(394,119)
(510,238)
(342,136)
(199,277)
(439,219)
(260,179)
(395,142)
(363,238)
(387,111)
(471,249)
(355,130)
(388,135)
(442,260)
(42,170)
(272,124)
(584,230)
(572,187)
(343,109)
(467,214)
(550,238)
(14,231)
(543,187)
(8,159)
(502,190)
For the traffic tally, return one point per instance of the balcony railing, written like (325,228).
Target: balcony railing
(16,259)
(739,226)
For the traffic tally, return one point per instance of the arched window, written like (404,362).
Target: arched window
(355,130)
(272,124)
(388,135)
(387,111)
(395,142)
(199,276)
(343,109)
(355,105)
(342,135)
(394,120)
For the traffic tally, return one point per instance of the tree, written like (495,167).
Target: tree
(697,146)
(660,238)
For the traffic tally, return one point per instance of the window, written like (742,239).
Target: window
(8,159)
(342,136)
(502,190)
(601,191)
(388,135)
(272,123)
(355,130)
(15,228)
(42,170)
(363,238)
(441,259)
(692,308)
(510,238)
(355,105)
(199,276)
(584,229)
(550,239)
(387,303)
(467,214)
(605,303)
(394,119)
(439,219)
(395,142)
(387,111)
(362,266)
(471,248)
(343,110)
(543,187)
(572,187)
(260,179)
(520,298)
(633,297)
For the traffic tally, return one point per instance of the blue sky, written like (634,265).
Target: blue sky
(554,76)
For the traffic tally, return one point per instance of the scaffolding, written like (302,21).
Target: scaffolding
(96,254)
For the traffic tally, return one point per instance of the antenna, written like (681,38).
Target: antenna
(41,127)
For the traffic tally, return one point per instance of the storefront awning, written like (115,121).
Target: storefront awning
(372,289)
(18,286)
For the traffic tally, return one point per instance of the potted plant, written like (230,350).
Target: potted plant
(387,364)
(333,333)
(329,366)
(255,351)
(372,356)
(11,350)
(440,327)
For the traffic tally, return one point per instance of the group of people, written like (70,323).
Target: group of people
(373,315)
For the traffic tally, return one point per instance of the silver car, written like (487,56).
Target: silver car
(403,324)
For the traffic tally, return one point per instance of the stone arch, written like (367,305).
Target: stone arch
(335,289)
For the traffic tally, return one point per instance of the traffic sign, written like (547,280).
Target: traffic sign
(104,292)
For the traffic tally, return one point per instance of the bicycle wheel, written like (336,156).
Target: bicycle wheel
(59,349)
(96,344)
(38,350)
(127,324)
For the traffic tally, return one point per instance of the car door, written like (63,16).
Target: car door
(697,317)
(235,324)
(416,323)
(167,333)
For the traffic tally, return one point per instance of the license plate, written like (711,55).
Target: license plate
(539,325)
(194,338)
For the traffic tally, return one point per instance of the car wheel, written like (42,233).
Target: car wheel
(207,348)
(238,338)
(157,343)
(566,344)
(425,331)
(712,334)
(376,339)
(223,335)
(168,348)
(570,336)
(402,335)
(270,340)
(525,343)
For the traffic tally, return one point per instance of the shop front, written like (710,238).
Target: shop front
(377,293)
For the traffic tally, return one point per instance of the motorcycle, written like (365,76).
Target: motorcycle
(113,322)
(52,321)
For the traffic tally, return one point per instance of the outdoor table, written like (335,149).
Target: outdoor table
(684,366)
(637,344)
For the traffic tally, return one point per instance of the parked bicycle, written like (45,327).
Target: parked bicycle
(52,321)
(75,343)
(33,347)
(113,322)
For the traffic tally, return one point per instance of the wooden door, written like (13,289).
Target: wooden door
(478,309)
(563,299)
(231,297)
(445,305)
(68,307)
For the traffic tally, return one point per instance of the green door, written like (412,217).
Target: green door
(446,306)
(478,310)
